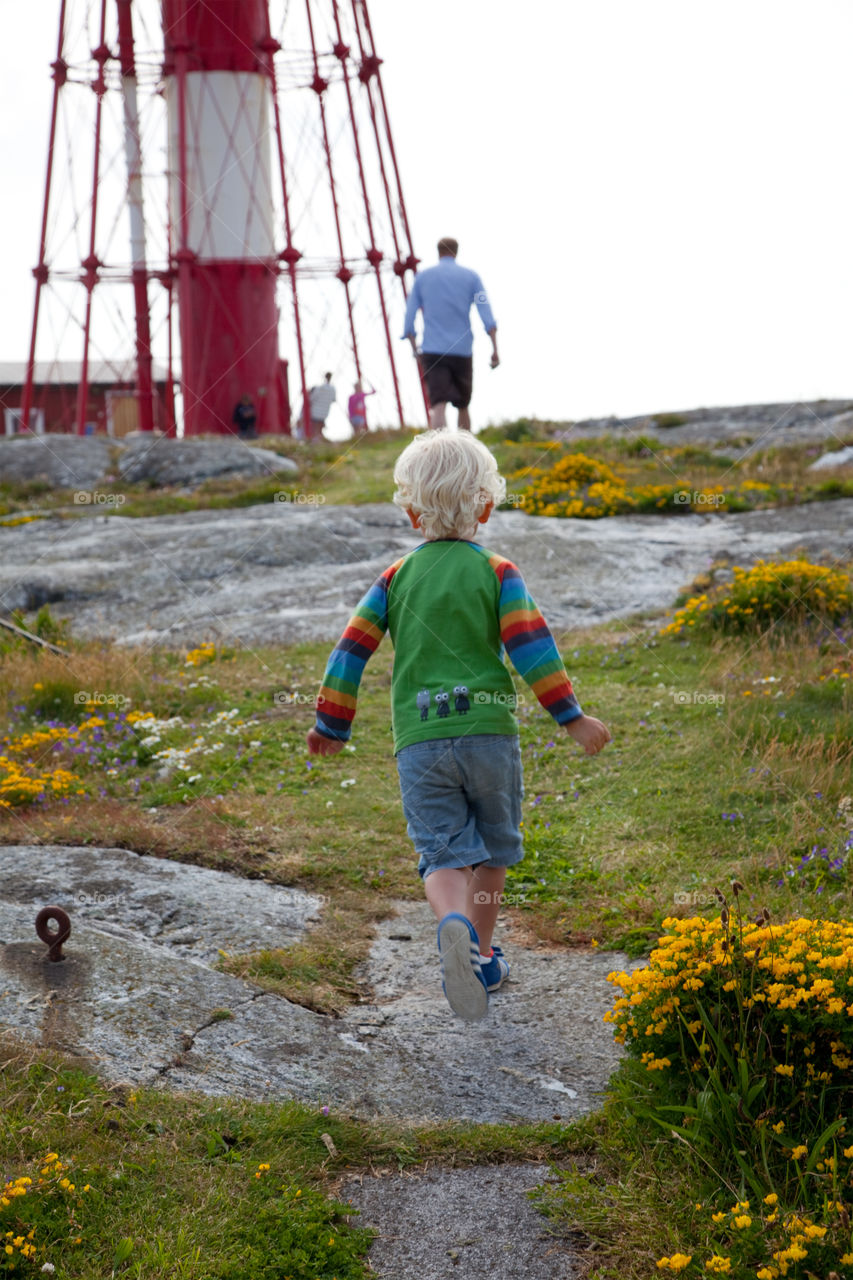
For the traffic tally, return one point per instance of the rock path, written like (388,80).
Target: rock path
(282,573)
(138,996)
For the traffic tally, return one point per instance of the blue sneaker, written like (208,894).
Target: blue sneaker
(496,971)
(462,978)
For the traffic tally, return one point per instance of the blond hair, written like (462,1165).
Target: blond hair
(448,479)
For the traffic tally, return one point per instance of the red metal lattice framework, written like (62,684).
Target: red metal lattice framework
(247,223)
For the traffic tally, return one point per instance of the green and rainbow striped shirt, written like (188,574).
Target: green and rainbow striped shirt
(452,609)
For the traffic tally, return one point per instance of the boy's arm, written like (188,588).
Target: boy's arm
(535,656)
(336,701)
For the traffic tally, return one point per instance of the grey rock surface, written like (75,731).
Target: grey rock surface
(765,425)
(162,462)
(837,458)
(282,572)
(476,1222)
(193,910)
(65,462)
(84,462)
(144,1006)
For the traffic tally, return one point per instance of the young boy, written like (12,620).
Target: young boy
(452,608)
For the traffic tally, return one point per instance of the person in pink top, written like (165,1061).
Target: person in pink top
(356,407)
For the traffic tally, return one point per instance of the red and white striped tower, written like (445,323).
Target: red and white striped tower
(218,97)
(249,243)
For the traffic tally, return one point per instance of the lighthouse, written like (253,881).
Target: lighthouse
(217,77)
(252,162)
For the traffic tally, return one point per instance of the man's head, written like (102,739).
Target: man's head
(328,377)
(448,247)
(449,482)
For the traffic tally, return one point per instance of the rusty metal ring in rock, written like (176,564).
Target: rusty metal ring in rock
(53,940)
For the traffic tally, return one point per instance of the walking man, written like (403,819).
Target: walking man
(320,401)
(445,294)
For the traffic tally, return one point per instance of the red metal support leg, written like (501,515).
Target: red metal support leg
(60,74)
(344,274)
(374,254)
(91,263)
(411,262)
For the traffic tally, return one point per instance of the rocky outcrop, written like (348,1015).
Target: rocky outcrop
(139,996)
(837,458)
(282,572)
(162,463)
(82,463)
(765,425)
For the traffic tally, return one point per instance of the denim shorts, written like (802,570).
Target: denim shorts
(462,800)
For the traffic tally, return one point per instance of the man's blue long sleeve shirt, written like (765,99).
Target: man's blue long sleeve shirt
(445,294)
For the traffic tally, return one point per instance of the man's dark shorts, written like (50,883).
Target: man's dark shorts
(448,378)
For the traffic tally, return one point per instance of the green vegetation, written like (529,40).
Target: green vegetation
(648,476)
(731,762)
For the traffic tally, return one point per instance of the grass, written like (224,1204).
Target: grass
(613,845)
(165,1187)
(361,471)
(731,759)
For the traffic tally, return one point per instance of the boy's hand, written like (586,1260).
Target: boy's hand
(320,745)
(590,733)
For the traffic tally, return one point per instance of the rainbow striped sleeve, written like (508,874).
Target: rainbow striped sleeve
(530,645)
(336,701)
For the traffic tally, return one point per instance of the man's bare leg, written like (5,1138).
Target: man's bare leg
(464,420)
(437,418)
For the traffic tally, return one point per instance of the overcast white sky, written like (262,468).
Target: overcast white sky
(656,194)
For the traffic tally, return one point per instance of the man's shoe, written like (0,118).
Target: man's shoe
(462,978)
(496,971)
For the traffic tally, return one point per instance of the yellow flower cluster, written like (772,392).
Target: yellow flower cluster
(795,1233)
(15,1241)
(802,965)
(52,1174)
(677,1262)
(23,782)
(684,1013)
(23,1244)
(792,591)
(584,488)
(13,1189)
(204,653)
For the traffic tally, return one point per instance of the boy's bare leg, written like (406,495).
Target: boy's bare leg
(464,422)
(485,892)
(447,890)
(437,420)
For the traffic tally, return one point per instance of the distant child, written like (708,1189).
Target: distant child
(357,407)
(452,608)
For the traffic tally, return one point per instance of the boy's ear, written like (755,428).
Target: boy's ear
(414,517)
(486,512)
